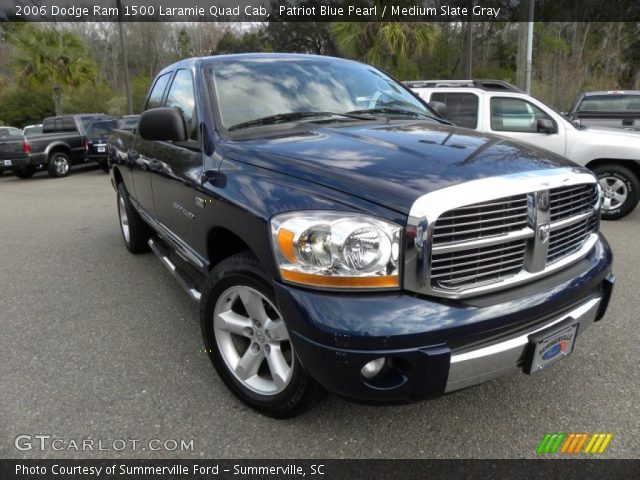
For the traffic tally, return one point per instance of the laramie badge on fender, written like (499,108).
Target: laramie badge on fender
(332,256)
(184,211)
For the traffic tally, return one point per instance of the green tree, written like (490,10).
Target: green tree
(55,58)
(393,46)
(184,45)
(22,105)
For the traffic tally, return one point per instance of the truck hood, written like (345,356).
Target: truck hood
(390,164)
(610,132)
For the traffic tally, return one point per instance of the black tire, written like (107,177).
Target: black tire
(26,172)
(136,232)
(104,165)
(59,164)
(628,187)
(301,392)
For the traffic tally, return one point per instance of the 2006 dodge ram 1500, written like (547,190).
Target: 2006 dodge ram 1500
(339,235)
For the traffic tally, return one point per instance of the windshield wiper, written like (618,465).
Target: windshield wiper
(292,116)
(398,111)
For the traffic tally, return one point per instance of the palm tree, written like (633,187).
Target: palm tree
(53,58)
(393,46)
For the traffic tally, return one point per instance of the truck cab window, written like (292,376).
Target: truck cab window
(462,108)
(181,96)
(157,92)
(515,115)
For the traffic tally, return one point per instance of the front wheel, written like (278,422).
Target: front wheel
(248,341)
(59,165)
(620,188)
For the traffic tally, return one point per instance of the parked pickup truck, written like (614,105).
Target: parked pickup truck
(13,149)
(338,235)
(609,109)
(62,143)
(496,107)
(98,131)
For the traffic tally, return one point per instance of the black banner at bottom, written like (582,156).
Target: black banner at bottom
(111,469)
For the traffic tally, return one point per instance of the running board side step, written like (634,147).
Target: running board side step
(182,278)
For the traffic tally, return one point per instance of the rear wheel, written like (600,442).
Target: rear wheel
(26,172)
(135,232)
(248,341)
(59,164)
(620,188)
(104,165)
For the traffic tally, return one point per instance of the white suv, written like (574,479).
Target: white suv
(500,108)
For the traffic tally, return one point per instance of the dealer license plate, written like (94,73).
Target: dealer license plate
(7,163)
(547,348)
(101,149)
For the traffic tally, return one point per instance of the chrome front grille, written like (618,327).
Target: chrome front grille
(567,240)
(468,240)
(566,202)
(450,270)
(482,220)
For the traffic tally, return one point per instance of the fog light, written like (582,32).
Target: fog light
(373,368)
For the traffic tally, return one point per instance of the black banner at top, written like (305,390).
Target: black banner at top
(318,10)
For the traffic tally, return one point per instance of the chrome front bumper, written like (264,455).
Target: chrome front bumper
(482,364)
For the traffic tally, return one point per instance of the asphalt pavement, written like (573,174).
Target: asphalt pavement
(98,344)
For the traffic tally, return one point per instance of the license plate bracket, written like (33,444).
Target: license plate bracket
(550,345)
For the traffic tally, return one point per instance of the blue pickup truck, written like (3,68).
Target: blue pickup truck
(339,235)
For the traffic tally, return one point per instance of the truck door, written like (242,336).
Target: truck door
(518,118)
(177,166)
(140,154)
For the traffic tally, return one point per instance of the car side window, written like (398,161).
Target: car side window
(462,108)
(157,92)
(181,96)
(515,115)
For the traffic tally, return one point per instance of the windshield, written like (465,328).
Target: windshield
(33,130)
(10,132)
(248,89)
(610,103)
(101,129)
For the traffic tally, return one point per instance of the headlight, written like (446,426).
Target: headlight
(339,250)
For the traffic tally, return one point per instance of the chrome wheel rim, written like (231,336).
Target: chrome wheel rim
(253,340)
(124,220)
(60,164)
(614,192)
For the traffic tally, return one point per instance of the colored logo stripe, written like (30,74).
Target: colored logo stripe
(573,443)
(598,442)
(550,443)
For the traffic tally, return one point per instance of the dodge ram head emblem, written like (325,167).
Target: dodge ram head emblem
(543,200)
(543,232)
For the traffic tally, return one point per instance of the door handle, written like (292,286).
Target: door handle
(155,165)
(628,122)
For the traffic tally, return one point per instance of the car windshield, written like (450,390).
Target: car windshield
(610,103)
(10,132)
(33,130)
(101,129)
(292,88)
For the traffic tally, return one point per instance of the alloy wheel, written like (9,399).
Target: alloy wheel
(253,340)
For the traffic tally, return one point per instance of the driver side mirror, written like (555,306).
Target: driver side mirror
(544,125)
(163,125)
(439,107)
